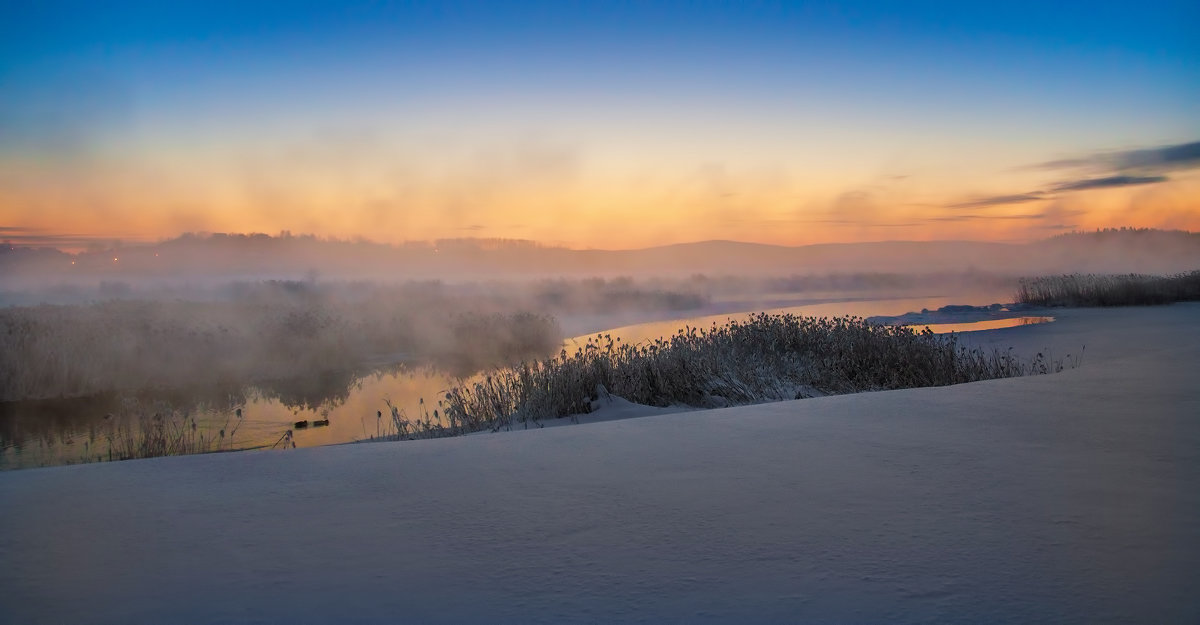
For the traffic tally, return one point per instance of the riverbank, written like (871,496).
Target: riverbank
(1068,497)
(357,403)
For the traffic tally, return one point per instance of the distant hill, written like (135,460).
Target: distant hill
(248,256)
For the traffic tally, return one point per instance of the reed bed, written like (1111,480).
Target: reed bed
(150,430)
(1109,290)
(764,358)
(161,434)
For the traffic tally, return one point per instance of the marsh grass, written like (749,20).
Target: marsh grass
(764,358)
(1109,290)
(152,436)
(151,431)
(147,428)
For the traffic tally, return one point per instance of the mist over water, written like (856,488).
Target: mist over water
(356,403)
(295,330)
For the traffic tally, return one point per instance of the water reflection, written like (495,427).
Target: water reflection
(985,324)
(69,431)
(637,333)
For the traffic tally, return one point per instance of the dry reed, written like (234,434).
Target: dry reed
(764,358)
(1109,290)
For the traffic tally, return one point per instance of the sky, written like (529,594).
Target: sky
(597,125)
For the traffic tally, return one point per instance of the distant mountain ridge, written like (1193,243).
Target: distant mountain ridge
(297,257)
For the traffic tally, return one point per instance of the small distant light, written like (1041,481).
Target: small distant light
(72,262)
(156,254)
(114,260)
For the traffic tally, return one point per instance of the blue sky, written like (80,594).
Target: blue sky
(499,116)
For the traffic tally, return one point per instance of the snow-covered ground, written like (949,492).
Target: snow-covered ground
(1066,498)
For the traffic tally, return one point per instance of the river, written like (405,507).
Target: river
(344,407)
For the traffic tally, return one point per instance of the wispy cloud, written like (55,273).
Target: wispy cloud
(1000,200)
(37,237)
(1108,170)
(1107,182)
(973,217)
(1145,161)
(1182,156)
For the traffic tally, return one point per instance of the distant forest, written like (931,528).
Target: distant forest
(1130,233)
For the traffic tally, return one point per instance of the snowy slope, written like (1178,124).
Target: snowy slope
(1064,498)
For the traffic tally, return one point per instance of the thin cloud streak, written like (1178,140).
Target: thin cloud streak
(953,218)
(1108,182)
(40,237)
(1000,200)
(1147,160)
(1183,156)
(1114,169)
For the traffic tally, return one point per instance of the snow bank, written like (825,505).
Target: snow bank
(1063,498)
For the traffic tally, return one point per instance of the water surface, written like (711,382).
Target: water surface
(977,326)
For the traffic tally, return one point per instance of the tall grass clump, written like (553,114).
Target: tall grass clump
(1109,290)
(764,358)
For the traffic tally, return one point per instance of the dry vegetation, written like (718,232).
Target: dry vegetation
(161,433)
(1109,290)
(766,358)
(144,428)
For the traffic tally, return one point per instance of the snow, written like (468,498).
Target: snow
(1061,498)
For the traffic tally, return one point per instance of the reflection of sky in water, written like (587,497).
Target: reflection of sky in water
(640,332)
(356,407)
(985,324)
(357,417)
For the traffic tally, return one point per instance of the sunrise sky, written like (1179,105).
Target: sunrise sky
(610,125)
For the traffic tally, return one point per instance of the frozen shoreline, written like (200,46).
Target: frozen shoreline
(1068,498)
(959,314)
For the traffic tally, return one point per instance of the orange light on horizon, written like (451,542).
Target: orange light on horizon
(582,216)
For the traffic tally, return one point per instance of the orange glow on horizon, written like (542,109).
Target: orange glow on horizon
(578,213)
